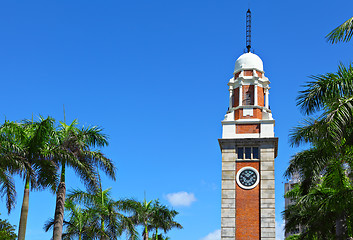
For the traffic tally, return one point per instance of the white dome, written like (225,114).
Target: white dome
(249,61)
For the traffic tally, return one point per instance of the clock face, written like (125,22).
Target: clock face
(248,177)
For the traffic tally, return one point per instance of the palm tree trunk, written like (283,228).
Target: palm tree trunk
(146,232)
(156,233)
(102,229)
(145,235)
(341,227)
(59,209)
(24,212)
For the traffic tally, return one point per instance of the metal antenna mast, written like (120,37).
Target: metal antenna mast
(248,30)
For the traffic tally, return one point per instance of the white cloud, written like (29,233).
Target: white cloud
(216,235)
(280,230)
(181,198)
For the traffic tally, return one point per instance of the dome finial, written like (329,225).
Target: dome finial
(248,30)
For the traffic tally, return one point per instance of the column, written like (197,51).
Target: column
(240,95)
(255,94)
(228,207)
(267,203)
(266,97)
(230,97)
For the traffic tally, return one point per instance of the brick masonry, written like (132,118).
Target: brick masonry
(247,128)
(236,97)
(248,72)
(248,208)
(259,74)
(238,114)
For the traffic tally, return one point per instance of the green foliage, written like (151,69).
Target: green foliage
(293,237)
(159,237)
(151,216)
(74,147)
(322,200)
(331,95)
(342,33)
(162,218)
(101,215)
(24,149)
(7,231)
(78,225)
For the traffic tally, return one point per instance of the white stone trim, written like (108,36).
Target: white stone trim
(249,106)
(255,94)
(252,68)
(240,95)
(245,135)
(228,207)
(257,178)
(267,98)
(248,112)
(249,80)
(249,120)
(231,97)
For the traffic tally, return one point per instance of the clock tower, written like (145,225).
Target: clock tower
(248,150)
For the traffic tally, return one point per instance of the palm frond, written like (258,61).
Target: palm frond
(342,33)
(7,189)
(340,117)
(94,136)
(325,88)
(309,164)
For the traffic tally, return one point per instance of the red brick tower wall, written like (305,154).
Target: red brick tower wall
(259,74)
(248,208)
(248,128)
(236,97)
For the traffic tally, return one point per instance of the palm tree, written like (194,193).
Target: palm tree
(323,197)
(25,149)
(150,215)
(106,221)
(163,218)
(141,213)
(78,226)
(72,146)
(332,95)
(342,33)
(331,138)
(9,166)
(325,211)
(7,187)
(159,237)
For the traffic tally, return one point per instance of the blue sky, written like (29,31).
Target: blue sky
(154,75)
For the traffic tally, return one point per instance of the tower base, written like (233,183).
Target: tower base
(248,213)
